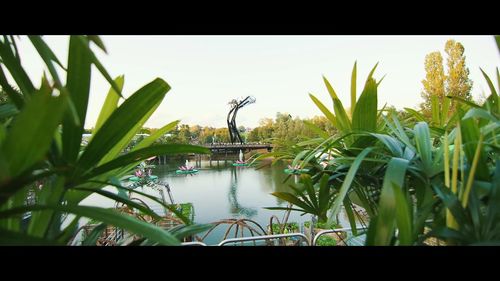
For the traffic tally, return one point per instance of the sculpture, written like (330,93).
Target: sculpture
(234,135)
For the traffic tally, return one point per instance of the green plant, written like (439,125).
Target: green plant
(399,171)
(326,241)
(337,159)
(322,225)
(290,227)
(40,147)
(306,199)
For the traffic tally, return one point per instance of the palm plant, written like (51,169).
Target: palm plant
(400,171)
(41,152)
(345,151)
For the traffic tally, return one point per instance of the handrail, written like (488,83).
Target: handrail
(263,237)
(321,233)
(194,243)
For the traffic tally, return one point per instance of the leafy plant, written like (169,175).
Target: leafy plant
(306,199)
(416,178)
(326,240)
(40,146)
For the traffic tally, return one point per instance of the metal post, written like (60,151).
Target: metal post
(313,222)
(170,194)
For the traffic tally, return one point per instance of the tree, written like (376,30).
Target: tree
(455,82)
(434,81)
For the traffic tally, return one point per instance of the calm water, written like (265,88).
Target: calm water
(221,192)
(224,191)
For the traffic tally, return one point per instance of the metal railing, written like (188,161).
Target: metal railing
(336,230)
(195,243)
(264,237)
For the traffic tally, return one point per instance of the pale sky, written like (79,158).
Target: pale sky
(206,72)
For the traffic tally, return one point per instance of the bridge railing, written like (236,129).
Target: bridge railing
(238,145)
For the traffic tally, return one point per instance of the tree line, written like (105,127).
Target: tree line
(286,129)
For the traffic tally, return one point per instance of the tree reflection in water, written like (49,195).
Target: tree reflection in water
(235,207)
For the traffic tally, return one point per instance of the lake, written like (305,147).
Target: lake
(222,191)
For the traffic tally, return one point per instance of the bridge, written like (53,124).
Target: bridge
(227,151)
(229,148)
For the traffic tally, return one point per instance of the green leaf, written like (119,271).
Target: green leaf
(116,183)
(370,75)
(365,113)
(16,69)
(395,146)
(8,110)
(121,199)
(490,84)
(156,135)
(91,239)
(353,88)
(419,116)
(47,56)
(3,134)
(452,202)
(325,110)
(309,188)
(144,153)
(350,216)
(14,238)
(400,132)
(85,43)
(324,192)
(381,79)
(464,101)
(78,86)
(31,133)
(315,129)
(41,222)
(424,146)
(122,144)
(343,122)
(471,137)
(68,233)
(106,216)
(480,113)
(347,183)
(183,231)
(385,223)
(121,121)
(294,200)
(97,40)
(14,96)
(110,104)
(403,217)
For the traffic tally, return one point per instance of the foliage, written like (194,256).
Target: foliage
(306,199)
(410,176)
(322,225)
(434,83)
(326,240)
(185,134)
(438,85)
(458,83)
(41,153)
(290,227)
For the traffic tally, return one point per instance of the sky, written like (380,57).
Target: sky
(206,72)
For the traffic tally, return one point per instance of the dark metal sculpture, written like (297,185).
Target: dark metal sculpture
(234,135)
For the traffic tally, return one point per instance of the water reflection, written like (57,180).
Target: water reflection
(235,207)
